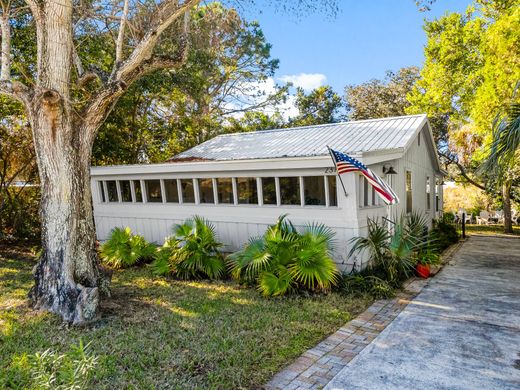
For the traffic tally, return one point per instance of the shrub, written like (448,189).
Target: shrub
(360,283)
(285,259)
(192,252)
(393,255)
(72,370)
(124,249)
(444,232)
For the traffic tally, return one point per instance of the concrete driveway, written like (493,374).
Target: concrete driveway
(461,332)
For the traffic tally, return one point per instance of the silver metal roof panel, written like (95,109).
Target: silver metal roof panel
(351,137)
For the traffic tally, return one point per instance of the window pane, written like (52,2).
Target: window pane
(126,192)
(374,196)
(290,190)
(206,191)
(408,191)
(333,194)
(314,190)
(269,190)
(428,195)
(247,191)
(153,191)
(137,191)
(188,194)
(102,191)
(365,191)
(172,193)
(225,190)
(112,191)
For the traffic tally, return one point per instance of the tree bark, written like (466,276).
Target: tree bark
(68,278)
(506,199)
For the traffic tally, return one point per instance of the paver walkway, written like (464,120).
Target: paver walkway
(461,332)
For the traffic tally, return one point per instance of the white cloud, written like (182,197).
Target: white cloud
(307,81)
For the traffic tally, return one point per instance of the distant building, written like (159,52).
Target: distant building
(242,182)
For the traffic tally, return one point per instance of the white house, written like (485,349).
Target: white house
(242,182)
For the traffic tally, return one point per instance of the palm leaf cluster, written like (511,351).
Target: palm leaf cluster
(192,252)
(394,254)
(285,259)
(124,249)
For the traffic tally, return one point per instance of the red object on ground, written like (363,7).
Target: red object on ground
(423,270)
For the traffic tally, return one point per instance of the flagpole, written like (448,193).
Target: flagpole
(334,161)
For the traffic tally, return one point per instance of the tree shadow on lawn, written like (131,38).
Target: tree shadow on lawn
(156,332)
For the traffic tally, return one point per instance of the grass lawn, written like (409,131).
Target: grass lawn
(159,333)
(489,229)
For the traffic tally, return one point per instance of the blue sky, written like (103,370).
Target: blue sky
(364,40)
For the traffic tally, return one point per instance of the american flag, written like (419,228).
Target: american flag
(345,164)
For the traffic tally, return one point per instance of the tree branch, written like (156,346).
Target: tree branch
(462,171)
(121,36)
(168,11)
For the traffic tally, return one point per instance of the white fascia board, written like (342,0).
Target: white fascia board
(380,156)
(215,166)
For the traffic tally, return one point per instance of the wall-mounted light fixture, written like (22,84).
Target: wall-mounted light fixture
(389,170)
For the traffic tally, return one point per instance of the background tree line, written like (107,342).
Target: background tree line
(472,64)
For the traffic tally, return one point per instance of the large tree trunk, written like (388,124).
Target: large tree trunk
(506,199)
(68,278)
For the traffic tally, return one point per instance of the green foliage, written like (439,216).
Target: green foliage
(70,371)
(124,249)
(361,283)
(381,98)
(470,71)
(192,252)
(393,255)
(321,105)
(285,259)
(444,232)
(167,112)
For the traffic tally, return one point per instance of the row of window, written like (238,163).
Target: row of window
(295,190)
(409,197)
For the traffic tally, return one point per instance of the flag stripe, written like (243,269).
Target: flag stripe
(345,164)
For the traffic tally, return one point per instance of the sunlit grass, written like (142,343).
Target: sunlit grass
(489,229)
(161,333)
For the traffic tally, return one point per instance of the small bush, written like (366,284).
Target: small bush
(359,284)
(394,254)
(444,232)
(285,259)
(124,249)
(72,370)
(192,252)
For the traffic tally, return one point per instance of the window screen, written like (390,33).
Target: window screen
(172,193)
(206,191)
(153,191)
(247,190)
(102,192)
(225,190)
(409,192)
(188,194)
(333,194)
(112,191)
(290,190)
(269,190)
(314,190)
(126,191)
(137,191)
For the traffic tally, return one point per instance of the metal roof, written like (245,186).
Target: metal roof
(353,137)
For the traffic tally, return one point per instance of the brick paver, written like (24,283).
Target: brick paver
(316,367)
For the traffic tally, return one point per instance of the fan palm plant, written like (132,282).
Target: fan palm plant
(285,259)
(124,249)
(192,252)
(393,255)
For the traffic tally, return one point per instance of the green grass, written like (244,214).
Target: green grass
(488,229)
(160,333)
